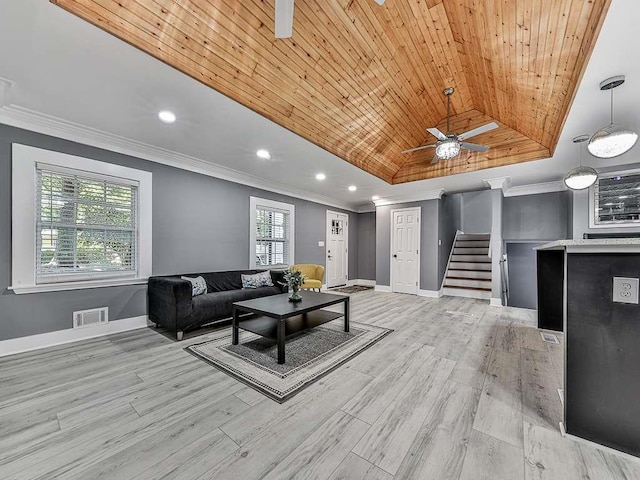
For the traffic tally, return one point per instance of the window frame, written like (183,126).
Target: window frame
(592,203)
(254,203)
(23,219)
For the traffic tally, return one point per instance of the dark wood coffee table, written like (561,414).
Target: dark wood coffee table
(278,318)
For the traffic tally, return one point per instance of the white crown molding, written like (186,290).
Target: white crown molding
(34,121)
(536,188)
(5,91)
(498,183)
(415,197)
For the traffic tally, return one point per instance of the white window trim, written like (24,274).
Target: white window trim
(23,217)
(254,202)
(592,203)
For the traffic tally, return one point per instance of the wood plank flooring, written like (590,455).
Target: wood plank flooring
(459,391)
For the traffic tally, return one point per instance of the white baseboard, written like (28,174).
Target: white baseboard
(430,293)
(59,337)
(495,302)
(383,288)
(362,281)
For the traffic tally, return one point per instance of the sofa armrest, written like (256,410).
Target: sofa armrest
(169,301)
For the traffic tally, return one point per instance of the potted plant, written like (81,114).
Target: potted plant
(294,279)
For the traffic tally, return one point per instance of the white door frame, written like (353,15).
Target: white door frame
(418,211)
(326,245)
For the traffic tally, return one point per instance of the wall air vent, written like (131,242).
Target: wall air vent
(549,338)
(88,318)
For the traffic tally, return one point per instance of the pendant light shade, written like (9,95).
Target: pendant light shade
(580,177)
(612,140)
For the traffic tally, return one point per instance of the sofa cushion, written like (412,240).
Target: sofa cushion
(198,285)
(257,280)
(218,305)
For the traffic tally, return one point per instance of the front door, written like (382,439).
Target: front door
(405,252)
(337,250)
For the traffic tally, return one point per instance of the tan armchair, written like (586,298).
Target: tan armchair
(314,274)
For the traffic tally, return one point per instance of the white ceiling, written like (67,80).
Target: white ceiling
(65,68)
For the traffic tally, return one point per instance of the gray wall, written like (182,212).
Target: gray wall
(476,212)
(200,224)
(537,217)
(367,246)
(523,283)
(450,221)
(428,243)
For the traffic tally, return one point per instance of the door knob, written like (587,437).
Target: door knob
(395,256)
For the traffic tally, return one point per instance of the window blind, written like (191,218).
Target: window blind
(272,237)
(617,199)
(86,226)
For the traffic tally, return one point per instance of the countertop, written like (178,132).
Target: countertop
(608,244)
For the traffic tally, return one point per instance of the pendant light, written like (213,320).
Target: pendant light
(580,177)
(612,140)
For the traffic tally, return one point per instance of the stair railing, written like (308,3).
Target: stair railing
(455,239)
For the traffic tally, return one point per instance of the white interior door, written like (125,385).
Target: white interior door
(337,249)
(405,250)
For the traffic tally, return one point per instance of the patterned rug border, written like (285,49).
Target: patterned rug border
(293,371)
(267,390)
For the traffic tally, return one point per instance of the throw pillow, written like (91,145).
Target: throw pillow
(261,279)
(198,285)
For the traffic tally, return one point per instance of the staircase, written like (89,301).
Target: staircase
(469,269)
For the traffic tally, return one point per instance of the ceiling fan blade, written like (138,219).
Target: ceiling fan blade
(474,146)
(379,2)
(284,18)
(418,148)
(478,131)
(437,133)
(435,159)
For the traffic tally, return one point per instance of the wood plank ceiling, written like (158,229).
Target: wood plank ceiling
(363,81)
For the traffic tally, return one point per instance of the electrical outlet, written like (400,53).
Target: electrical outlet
(625,290)
(320,243)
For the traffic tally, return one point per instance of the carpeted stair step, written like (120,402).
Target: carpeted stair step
(470,266)
(486,275)
(468,283)
(470,258)
(474,236)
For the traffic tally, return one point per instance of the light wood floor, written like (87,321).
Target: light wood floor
(460,390)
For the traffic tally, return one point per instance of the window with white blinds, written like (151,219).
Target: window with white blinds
(86,226)
(272,233)
(615,200)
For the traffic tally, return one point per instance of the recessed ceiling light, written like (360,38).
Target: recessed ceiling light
(320,176)
(166,116)
(352,188)
(264,154)
(375,197)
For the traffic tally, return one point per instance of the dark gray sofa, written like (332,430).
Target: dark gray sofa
(171,305)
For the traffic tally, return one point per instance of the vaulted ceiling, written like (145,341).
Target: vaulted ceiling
(363,81)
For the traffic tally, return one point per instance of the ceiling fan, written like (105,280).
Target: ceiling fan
(284,17)
(449,144)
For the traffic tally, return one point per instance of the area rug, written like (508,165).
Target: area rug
(352,289)
(309,356)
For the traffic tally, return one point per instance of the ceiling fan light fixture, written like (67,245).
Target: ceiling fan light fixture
(580,178)
(448,149)
(611,141)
